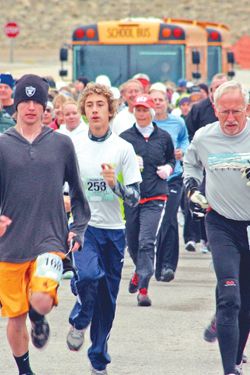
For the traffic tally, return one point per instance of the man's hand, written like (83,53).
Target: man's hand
(178,154)
(73,245)
(5,221)
(198,205)
(164,171)
(245,173)
(108,173)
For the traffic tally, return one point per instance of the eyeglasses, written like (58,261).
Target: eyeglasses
(234,112)
(48,110)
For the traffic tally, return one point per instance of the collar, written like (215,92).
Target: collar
(100,139)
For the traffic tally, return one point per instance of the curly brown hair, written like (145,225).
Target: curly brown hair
(97,88)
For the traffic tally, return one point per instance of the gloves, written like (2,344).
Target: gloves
(164,171)
(198,205)
(245,173)
(140,162)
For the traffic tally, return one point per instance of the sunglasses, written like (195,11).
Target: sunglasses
(48,110)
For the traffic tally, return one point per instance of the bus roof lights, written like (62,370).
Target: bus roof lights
(166,32)
(79,33)
(214,35)
(90,33)
(178,32)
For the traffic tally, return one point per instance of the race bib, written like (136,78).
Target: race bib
(97,190)
(49,265)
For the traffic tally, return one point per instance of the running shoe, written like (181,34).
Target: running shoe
(143,298)
(75,339)
(238,369)
(190,246)
(203,247)
(40,332)
(167,274)
(133,284)
(244,358)
(98,372)
(210,333)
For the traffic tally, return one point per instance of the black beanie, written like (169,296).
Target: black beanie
(31,87)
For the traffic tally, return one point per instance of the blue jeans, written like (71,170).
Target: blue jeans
(99,266)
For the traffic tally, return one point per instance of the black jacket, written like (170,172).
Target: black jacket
(201,114)
(157,150)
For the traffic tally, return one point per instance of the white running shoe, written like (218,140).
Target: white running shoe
(75,339)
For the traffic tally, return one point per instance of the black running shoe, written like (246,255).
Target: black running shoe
(210,333)
(133,284)
(167,274)
(40,332)
(143,298)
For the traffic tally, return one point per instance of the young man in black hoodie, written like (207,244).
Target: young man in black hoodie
(34,237)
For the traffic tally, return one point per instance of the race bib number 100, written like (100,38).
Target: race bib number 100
(49,265)
(97,190)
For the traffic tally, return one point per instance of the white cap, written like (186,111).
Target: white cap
(116,92)
(158,86)
(103,80)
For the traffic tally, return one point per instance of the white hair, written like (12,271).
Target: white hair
(228,86)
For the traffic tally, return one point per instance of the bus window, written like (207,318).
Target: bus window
(161,62)
(93,60)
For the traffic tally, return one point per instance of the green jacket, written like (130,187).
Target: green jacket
(6,121)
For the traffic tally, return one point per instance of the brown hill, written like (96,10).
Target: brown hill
(46,24)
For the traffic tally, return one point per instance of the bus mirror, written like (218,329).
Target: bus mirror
(230,58)
(63,72)
(196,57)
(196,75)
(63,54)
(231,74)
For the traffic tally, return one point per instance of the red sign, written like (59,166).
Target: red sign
(11,29)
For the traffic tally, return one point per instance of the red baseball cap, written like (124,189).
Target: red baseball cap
(144,100)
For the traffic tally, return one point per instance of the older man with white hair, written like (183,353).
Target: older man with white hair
(222,149)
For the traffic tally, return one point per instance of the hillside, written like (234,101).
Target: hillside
(46,24)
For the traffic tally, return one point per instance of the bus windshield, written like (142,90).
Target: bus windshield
(161,62)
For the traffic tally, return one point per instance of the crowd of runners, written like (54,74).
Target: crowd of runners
(89,170)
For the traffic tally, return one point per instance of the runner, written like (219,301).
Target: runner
(33,228)
(155,151)
(222,149)
(109,171)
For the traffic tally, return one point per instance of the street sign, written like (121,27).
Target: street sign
(11,29)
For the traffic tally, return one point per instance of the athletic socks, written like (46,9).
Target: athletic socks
(23,364)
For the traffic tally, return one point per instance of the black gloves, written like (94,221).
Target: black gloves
(245,173)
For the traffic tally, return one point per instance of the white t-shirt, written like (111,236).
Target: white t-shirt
(123,121)
(76,134)
(105,205)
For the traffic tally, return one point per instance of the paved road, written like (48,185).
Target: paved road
(160,340)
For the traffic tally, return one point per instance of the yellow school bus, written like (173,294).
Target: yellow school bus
(220,58)
(120,49)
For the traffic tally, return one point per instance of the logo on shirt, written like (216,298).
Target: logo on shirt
(30,91)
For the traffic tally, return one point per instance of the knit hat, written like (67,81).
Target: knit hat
(31,87)
(7,79)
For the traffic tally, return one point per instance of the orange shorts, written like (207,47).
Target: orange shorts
(19,281)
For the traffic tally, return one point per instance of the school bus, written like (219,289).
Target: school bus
(220,58)
(120,49)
